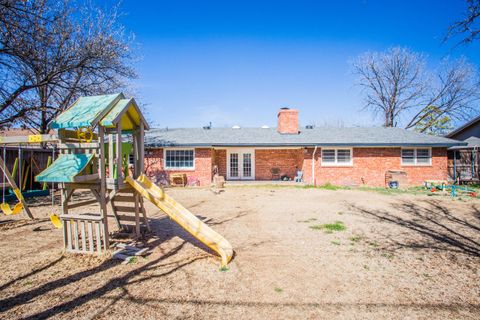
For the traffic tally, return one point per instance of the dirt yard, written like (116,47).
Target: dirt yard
(380,256)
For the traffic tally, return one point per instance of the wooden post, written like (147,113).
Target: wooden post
(137,215)
(119,155)
(14,186)
(141,147)
(110,156)
(135,154)
(111,200)
(103,186)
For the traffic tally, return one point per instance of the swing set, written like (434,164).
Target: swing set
(9,182)
(14,183)
(5,207)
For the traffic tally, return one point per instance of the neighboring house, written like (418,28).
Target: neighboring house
(344,156)
(463,161)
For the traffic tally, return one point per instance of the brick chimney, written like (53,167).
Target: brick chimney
(287,121)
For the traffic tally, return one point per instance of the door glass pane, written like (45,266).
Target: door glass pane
(234,165)
(247,165)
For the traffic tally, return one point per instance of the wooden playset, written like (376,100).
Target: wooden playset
(100,141)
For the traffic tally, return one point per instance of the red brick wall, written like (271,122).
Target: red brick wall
(154,167)
(220,160)
(287,160)
(307,164)
(370,164)
(288,121)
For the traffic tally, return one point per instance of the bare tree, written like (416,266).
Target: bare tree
(392,81)
(52,52)
(398,86)
(467,27)
(453,93)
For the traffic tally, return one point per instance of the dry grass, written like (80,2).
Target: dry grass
(402,256)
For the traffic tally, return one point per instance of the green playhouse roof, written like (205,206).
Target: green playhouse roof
(86,111)
(108,110)
(65,168)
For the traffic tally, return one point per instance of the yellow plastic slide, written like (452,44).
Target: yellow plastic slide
(183,217)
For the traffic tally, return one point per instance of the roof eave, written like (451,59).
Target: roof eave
(377,145)
(463,127)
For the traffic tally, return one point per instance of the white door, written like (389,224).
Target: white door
(240,164)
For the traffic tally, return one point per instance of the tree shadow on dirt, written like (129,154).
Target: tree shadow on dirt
(430,226)
(163,229)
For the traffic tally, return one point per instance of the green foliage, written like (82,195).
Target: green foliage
(434,122)
(278,290)
(330,227)
(329,186)
(355,238)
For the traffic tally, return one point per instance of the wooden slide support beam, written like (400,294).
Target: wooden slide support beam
(144,214)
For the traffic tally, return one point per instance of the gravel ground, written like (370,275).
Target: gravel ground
(390,256)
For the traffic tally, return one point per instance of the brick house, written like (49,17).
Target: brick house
(343,156)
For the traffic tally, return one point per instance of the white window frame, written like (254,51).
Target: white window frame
(336,163)
(415,163)
(178,168)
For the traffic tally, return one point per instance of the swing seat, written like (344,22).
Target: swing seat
(6,209)
(17,208)
(57,223)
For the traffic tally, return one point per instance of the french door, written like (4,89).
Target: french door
(240,164)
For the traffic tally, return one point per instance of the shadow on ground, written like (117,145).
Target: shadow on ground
(163,229)
(429,225)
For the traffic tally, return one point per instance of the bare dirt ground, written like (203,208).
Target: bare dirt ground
(401,256)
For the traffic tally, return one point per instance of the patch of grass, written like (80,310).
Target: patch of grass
(340,213)
(326,186)
(335,242)
(388,255)
(389,191)
(355,238)
(224,269)
(330,227)
(132,260)
(278,290)
(308,220)
(329,186)
(374,244)
(28,283)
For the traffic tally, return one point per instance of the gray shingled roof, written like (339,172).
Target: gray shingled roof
(472,142)
(321,136)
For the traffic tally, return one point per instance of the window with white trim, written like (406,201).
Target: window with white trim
(416,156)
(179,159)
(337,157)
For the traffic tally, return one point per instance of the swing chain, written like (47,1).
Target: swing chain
(4,164)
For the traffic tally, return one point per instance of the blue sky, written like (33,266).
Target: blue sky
(238,62)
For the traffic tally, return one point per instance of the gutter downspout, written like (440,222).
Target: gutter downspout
(313,166)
